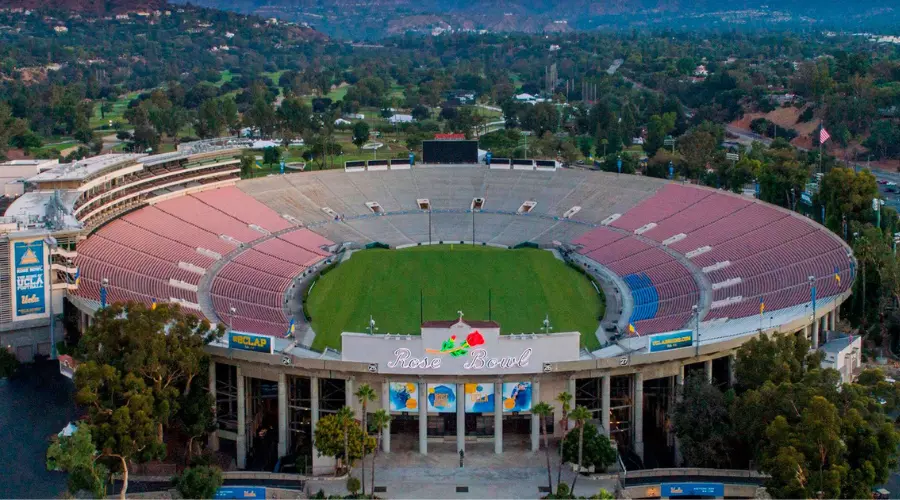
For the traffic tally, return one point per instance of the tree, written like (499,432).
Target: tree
(196,413)
(271,155)
(545,411)
(365,395)
(775,358)
(565,404)
(163,346)
(657,129)
(248,160)
(699,149)
(701,423)
(353,485)
(77,455)
(120,415)
(360,137)
(345,417)
(209,120)
(330,432)
(8,363)
(380,421)
(200,481)
(846,194)
(581,415)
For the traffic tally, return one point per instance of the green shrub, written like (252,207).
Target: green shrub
(199,482)
(353,485)
(8,363)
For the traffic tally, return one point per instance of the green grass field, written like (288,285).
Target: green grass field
(525,285)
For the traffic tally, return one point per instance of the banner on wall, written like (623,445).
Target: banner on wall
(29,279)
(404,396)
(442,398)
(479,398)
(516,396)
(671,340)
(250,342)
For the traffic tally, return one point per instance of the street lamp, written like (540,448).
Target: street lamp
(812,297)
(51,243)
(695,310)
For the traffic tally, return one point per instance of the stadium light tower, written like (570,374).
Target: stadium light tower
(51,244)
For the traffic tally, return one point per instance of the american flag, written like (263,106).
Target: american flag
(823,135)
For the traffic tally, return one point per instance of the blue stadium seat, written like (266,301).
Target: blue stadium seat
(646,297)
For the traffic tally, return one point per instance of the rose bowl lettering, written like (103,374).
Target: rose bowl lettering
(478,360)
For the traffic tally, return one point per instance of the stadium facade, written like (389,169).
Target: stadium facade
(692,273)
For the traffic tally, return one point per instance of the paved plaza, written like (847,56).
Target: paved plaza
(517,473)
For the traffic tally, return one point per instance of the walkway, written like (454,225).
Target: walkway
(514,474)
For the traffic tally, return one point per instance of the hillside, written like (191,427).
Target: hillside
(89,6)
(382,18)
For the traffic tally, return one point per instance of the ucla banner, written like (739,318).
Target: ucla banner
(676,490)
(250,342)
(404,396)
(671,340)
(29,282)
(442,398)
(258,492)
(479,398)
(516,396)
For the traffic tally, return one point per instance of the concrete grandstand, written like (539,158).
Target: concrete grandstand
(707,268)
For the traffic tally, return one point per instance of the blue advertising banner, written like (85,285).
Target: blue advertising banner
(479,398)
(404,396)
(258,492)
(671,340)
(250,342)
(28,269)
(442,398)
(516,396)
(675,490)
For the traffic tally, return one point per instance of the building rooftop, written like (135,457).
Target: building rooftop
(32,208)
(835,346)
(83,169)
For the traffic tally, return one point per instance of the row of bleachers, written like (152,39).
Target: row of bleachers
(668,201)
(140,253)
(199,214)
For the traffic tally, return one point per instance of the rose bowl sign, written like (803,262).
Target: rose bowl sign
(460,348)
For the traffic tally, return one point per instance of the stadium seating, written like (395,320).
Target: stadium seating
(162,253)
(675,246)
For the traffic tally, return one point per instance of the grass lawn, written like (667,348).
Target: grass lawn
(118,109)
(525,284)
(338,93)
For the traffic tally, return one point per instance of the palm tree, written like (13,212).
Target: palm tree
(380,420)
(364,394)
(345,417)
(545,411)
(581,415)
(565,401)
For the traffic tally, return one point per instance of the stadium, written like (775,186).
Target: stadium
(463,292)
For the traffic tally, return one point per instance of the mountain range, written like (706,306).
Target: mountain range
(88,6)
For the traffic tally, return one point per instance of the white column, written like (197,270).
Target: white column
(423,417)
(241,420)
(679,391)
(282,415)
(386,405)
(213,441)
(570,388)
(313,409)
(638,417)
(708,368)
(349,399)
(460,417)
(732,374)
(498,418)
(535,423)
(815,334)
(606,388)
